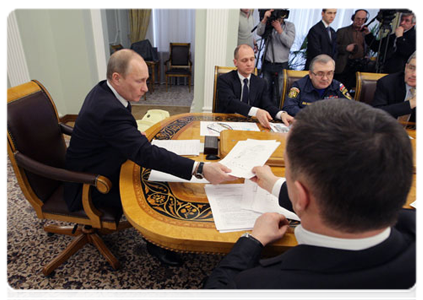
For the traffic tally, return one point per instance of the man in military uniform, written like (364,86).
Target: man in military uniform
(317,85)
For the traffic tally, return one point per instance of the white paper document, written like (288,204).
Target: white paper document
(236,207)
(226,202)
(279,127)
(248,154)
(165,177)
(215,128)
(181,147)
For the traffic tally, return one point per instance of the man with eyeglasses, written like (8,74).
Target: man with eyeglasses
(396,93)
(317,85)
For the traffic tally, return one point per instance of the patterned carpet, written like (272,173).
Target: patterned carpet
(29,248)
(177,95)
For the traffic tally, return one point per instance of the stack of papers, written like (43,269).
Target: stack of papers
(181,147)
(236,207)
(248,154)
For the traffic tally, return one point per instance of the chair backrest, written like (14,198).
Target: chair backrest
(179,54)
(366,86)
(289,77)
(145,49)
(33,129)
(217,72)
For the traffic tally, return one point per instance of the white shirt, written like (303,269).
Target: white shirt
(306,237)
(253,110)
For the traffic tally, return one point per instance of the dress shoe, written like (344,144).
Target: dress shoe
(166,257)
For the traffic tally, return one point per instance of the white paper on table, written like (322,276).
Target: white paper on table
(248,154)
(416,204)
(246,126)
(180,147)
(226,201)
(259,200)
(161,176)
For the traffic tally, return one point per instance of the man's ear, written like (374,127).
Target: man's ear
(303,197)
(235,62)
(116,78)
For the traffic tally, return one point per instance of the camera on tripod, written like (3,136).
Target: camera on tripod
(275,15)
(385,16)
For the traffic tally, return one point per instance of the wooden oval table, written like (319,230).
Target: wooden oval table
(178,216)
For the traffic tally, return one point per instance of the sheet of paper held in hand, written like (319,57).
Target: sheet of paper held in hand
(248,154)
(214,128)
(181,147)
(236,207)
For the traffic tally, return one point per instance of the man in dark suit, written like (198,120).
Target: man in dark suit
(321,38)
(106,135)
(244,93)
(401,44)
(354,233)
(396,93)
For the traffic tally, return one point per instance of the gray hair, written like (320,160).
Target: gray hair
(323,59)
(412,56)
(413,19)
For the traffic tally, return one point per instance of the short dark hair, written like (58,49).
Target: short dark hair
(357,160)
(119,62)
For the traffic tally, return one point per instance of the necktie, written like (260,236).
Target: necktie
(329,33)
(245,92)
(129,107)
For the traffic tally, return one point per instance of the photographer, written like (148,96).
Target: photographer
(351,50)
(397,47)
(279,36)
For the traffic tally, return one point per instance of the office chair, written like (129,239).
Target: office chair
(366,86)
(37,148)
(289,77)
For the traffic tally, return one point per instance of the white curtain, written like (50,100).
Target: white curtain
(171,26)
(304,19)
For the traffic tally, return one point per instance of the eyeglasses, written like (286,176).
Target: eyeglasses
(323,74)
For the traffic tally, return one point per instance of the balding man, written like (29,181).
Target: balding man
(106,135)
(244,93)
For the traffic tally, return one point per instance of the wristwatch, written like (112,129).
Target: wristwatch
(199,171)
(249,236)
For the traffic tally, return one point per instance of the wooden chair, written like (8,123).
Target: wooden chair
(366,86)
(289,77)
(37,148)
(217,72)
(179,63)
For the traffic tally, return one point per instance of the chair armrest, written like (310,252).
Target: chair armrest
(66,129)
(102,184)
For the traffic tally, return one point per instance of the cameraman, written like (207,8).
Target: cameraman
(279,35)
(401,43)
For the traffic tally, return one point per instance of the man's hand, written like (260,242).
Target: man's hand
(365,30)
(399,32)
(270,227)
(287,119)
(413,102)
(277,25)
(350,47)
(216,173)
(264,177)
(264,117)
(267,15)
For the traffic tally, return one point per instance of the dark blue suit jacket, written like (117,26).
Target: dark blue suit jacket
(388,265)
(390,94)
(318,42)
(104,137)
(229,95)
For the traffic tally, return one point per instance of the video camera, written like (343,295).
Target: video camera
(275,15)
(385,16)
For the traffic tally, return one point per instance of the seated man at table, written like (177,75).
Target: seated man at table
(106,135)
(349,170)
(396,93)
(244,93)
(317,85)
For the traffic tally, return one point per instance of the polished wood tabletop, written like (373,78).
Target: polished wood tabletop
(178,216)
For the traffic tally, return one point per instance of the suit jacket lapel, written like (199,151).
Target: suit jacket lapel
(237,84)
(253,90)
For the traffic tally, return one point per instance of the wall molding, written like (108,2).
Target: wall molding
(17,68)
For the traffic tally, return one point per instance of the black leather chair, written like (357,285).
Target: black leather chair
(37,148)
(179,63)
